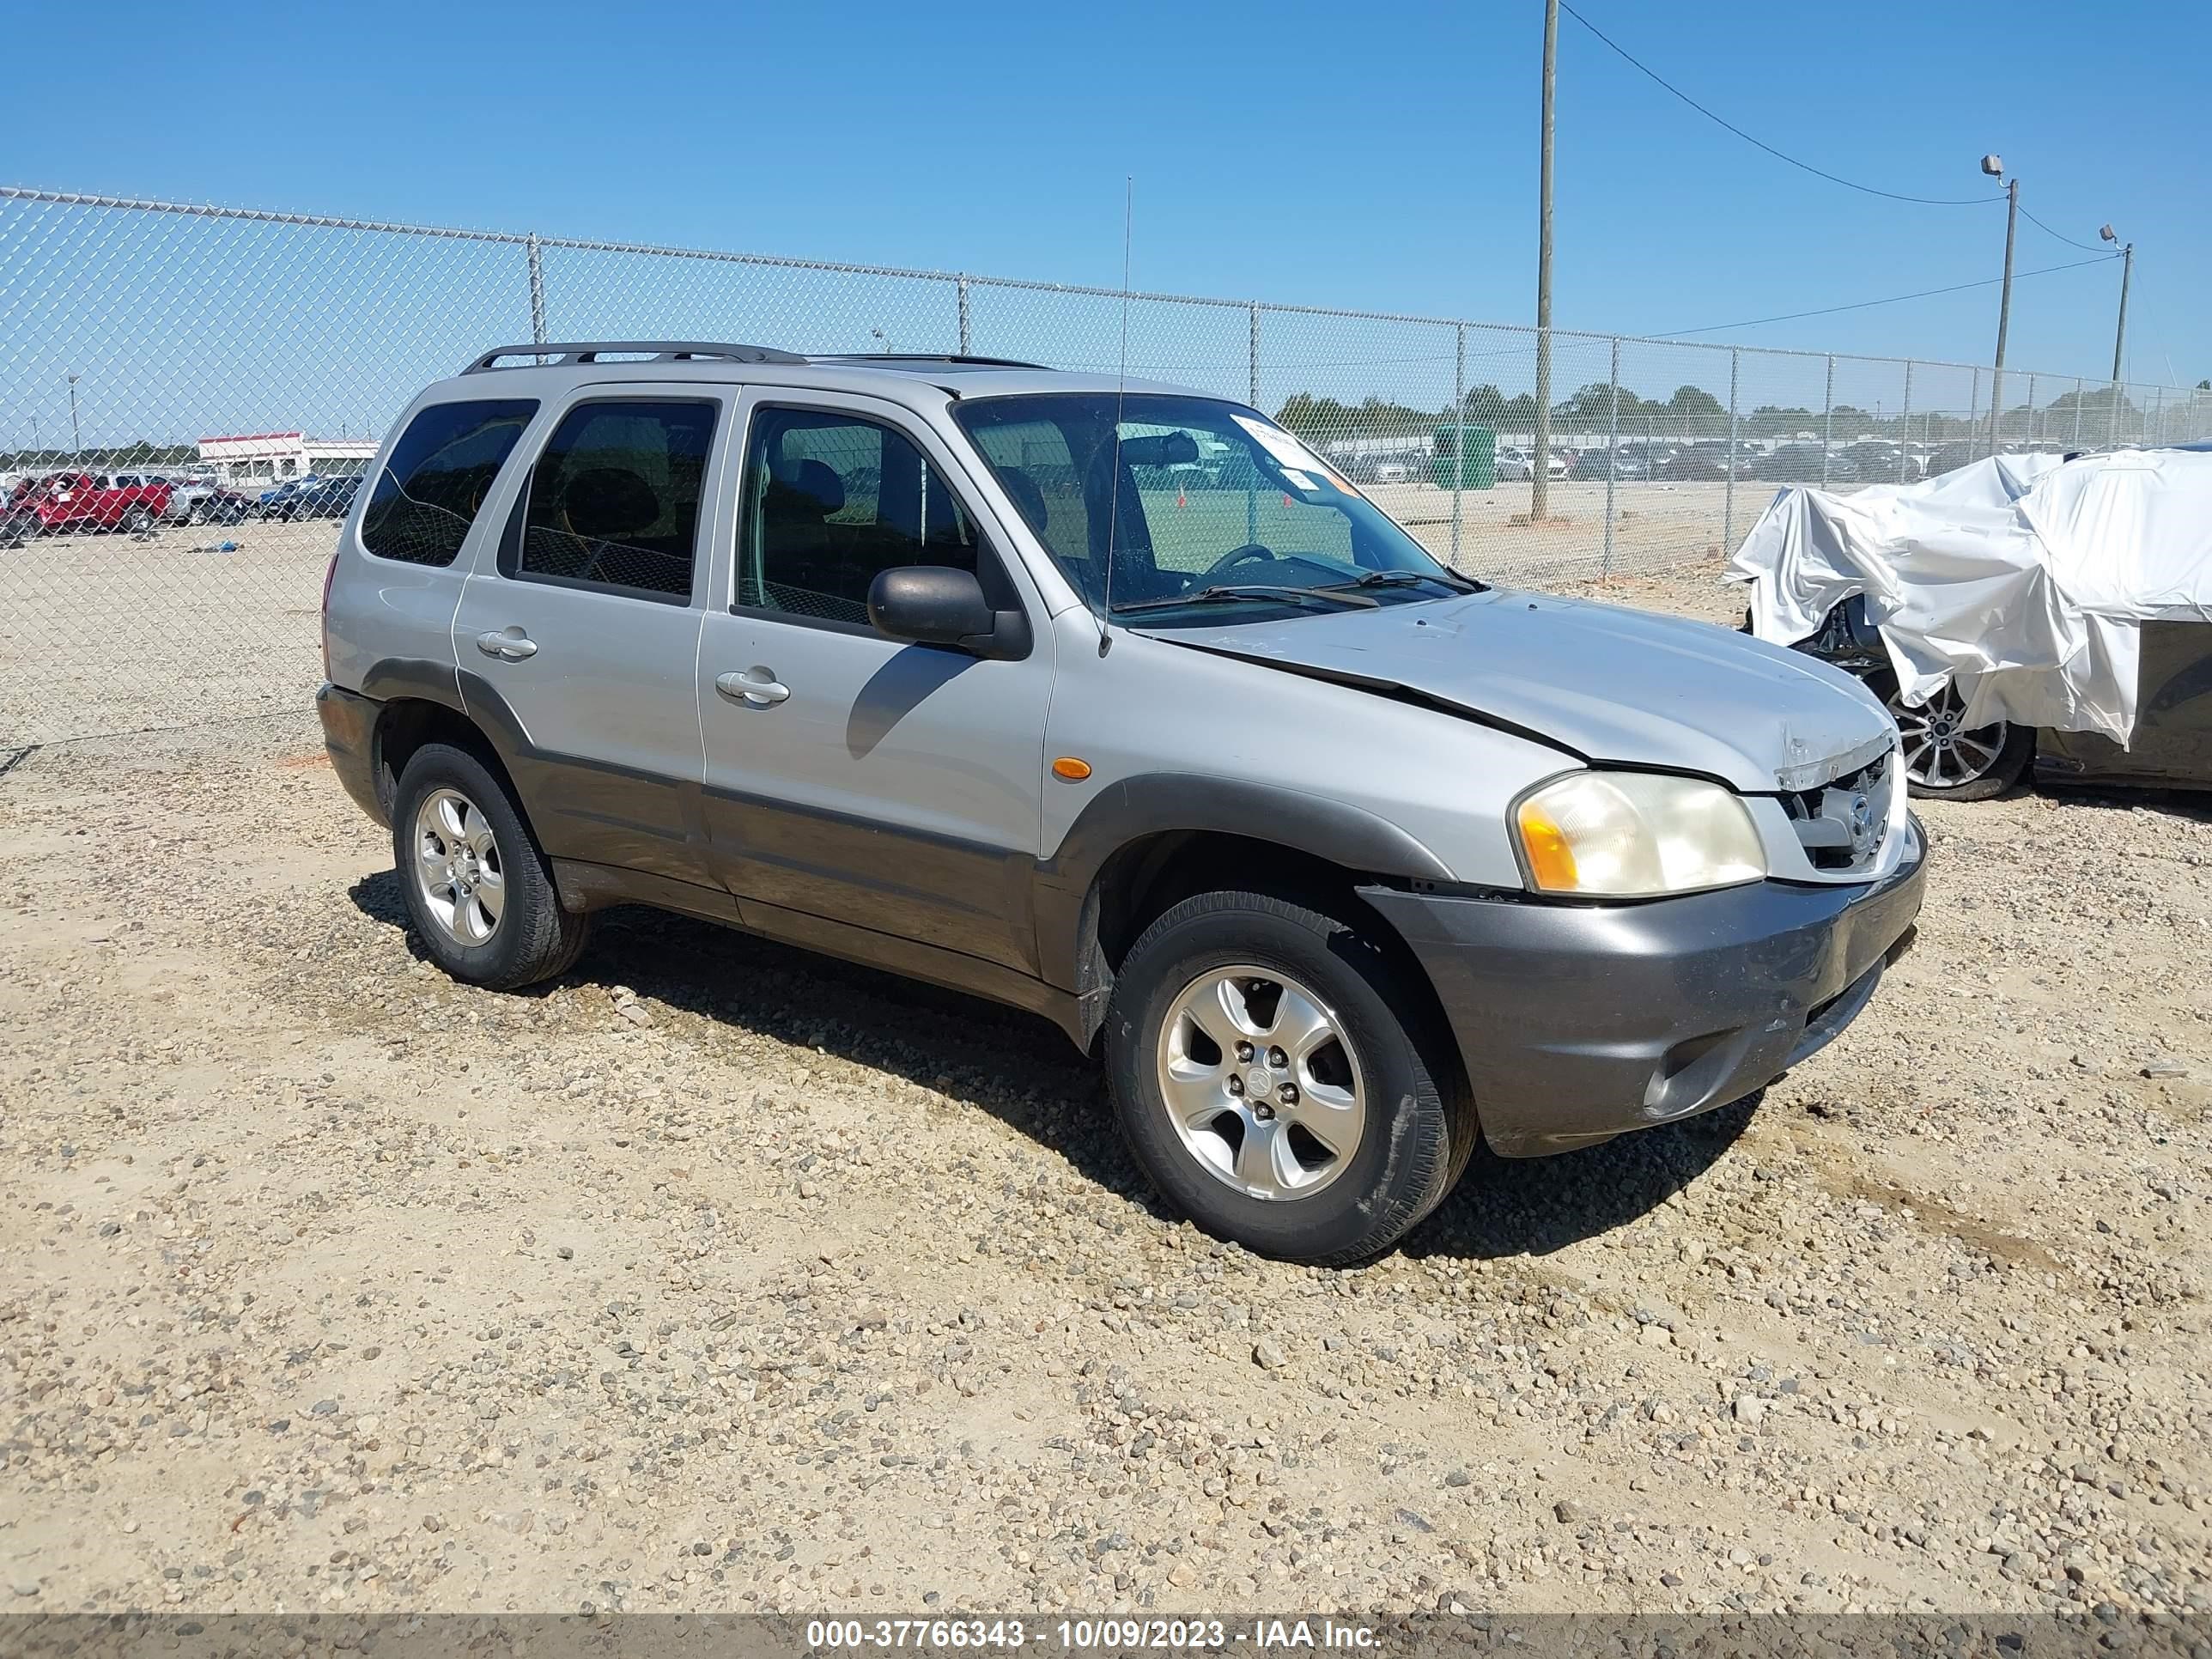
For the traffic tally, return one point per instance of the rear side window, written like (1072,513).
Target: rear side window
(614,500)
(440,472)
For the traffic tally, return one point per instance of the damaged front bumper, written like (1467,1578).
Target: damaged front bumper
(1576,1022)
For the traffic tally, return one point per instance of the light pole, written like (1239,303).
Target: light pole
(2127,270)
(1540,472)
(1994,166)
(76,439)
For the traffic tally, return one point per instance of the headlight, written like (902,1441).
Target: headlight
(1629,835)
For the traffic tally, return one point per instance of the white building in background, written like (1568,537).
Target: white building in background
(266,458)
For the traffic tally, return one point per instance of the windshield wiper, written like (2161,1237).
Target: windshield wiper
(1266,592)
(1451,579)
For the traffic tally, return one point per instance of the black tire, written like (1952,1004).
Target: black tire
(136,522)
(1421,1127)
(1957,771)
(535,939)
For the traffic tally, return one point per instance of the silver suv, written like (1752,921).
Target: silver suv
(1117,702)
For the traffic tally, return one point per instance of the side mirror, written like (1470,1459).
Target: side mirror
(936,604)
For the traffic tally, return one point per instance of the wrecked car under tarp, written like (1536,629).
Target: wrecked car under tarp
(2023,580)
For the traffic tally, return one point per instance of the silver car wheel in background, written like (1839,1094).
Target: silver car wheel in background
(1939,753)
(458,868)
(1261,1085)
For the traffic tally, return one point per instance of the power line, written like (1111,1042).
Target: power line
(2086,247)
(1895,299)
(1806,167)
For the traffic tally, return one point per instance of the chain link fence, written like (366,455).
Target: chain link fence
(238,354)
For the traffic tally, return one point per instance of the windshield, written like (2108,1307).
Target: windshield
(1210,501)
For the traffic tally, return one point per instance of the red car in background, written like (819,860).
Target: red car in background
(81,501)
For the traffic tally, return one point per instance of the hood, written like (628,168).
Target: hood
(1610,684)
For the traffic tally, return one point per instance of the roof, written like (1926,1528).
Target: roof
(898,375)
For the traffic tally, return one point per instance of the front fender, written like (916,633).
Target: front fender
(1152,803)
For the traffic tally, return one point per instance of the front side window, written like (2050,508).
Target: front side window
(1186,494)
(614,500)
(438,476)
(833,501)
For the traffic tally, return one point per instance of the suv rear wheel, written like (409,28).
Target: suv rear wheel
(478,889)
(1272,1080)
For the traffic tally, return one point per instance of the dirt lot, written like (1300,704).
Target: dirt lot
(719,1276)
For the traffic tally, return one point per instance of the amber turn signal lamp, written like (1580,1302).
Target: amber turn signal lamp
(1551,860)
(1070,769)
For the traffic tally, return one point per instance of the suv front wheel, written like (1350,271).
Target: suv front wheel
(478,889)
(1273,1079)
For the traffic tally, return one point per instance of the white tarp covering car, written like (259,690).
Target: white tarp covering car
(2021,580)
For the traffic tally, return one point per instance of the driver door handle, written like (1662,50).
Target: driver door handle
(512,644)
(757,686)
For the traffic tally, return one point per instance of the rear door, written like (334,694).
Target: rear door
(887,787)
(578,631)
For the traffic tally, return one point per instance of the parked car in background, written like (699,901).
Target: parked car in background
(272,500)
(331,498)
(180,508)
(1538,872)
(1877,462)
(1802,463)
(1593,466)
(1699,464)
(73,500)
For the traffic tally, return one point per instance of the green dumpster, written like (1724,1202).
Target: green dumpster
(1474,469)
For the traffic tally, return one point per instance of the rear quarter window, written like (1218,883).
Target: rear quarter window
(438,476)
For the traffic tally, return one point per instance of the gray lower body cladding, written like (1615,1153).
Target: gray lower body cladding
(349,735)
(1577,1023)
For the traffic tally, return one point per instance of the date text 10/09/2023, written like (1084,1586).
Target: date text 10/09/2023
(1088,1635)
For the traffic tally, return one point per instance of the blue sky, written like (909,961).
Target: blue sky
(1381,157)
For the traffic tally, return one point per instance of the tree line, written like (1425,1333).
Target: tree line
(1692,412)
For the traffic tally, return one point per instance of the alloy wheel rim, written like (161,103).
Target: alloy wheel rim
(1260,1085)
(458,868)
(1939,752)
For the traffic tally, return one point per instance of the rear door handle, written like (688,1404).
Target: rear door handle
(513,644)
(757,686)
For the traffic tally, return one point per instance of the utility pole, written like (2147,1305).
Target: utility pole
(1540,470)
(1994,167)
(76,439)
(2127,271)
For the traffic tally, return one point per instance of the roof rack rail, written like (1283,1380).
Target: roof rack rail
(924,357)
(665,351)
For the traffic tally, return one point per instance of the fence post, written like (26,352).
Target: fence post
(1251,491)
(1612,456)
(1459,430)
(963,316)
(1904,460)
(2076,444)
(1728,509)
(536,290)
(2031,412)
(1828,420)
(2157,433)
(1974,410)
(2112,425)
(1254,353)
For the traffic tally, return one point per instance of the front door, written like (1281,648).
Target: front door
(849,777)
(581,635)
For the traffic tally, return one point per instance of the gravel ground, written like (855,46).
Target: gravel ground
(722,1276)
